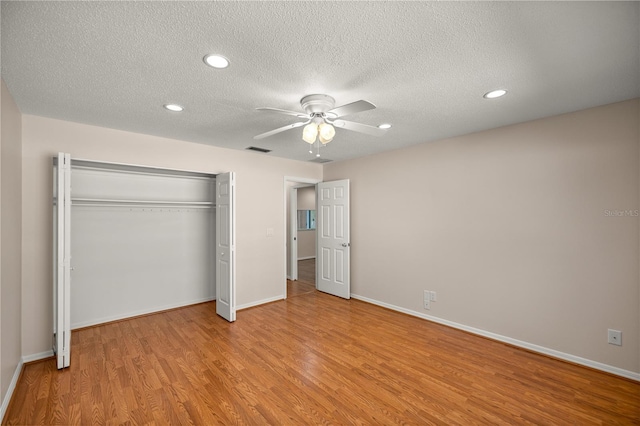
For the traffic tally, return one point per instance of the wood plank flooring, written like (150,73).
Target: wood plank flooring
(312,359)
(306,282)
(299,288)
(307,271)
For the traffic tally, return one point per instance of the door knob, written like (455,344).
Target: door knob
(345,244)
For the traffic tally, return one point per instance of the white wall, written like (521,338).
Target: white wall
(10,241)
(259,206)
(307,239)
(510,227)
(131,259)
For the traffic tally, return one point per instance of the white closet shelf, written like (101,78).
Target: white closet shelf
(145,203)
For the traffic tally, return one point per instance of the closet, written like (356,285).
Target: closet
(131,240)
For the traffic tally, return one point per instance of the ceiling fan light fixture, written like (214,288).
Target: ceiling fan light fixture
(322,117)
(216,61)
(327,132)
(310,132)
(495,94)
(323,140)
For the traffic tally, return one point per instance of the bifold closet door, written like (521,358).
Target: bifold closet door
(62,259)
(225,246)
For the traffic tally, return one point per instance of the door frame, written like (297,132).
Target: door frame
(300,183)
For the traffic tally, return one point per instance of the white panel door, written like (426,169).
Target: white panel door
(62,261)
(332,269)
(225,246)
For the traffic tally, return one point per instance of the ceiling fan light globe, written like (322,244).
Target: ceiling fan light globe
(327,132)
(309,133)
(323,140)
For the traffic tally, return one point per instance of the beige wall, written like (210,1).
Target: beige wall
(509,227)
(10,239)
(307,198)
(260,262)
(307,239)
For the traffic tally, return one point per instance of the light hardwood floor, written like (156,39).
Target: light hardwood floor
(307,271)
(312,359)
(306,282)
(299,288)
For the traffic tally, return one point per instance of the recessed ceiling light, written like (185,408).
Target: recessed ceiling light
(216,61)
(384,126)
(174,107)
(495,94)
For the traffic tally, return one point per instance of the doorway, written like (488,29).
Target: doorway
(333,248)
(300,238)
(144,239)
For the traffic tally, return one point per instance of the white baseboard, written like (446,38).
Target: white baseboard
(137,313)
(259,302)
(10,389)
(306,257)
(526,345)
(37,357)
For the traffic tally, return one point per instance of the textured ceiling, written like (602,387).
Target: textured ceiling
(425,65)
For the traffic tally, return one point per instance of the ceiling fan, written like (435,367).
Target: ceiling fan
(321,116)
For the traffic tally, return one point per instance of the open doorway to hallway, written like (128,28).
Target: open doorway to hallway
(306,282)
(300,241)
(307,271)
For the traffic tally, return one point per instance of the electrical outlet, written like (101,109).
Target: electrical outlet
(427,299)
(614,337)
(433,296)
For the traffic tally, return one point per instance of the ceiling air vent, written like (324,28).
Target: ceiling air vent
(320,160)
(256,149)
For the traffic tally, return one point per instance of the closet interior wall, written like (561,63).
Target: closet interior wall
(142,240)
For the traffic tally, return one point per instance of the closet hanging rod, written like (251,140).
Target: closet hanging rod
(103,201)
(130,205)
(114,201)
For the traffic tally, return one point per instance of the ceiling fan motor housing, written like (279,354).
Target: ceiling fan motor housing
(317,104)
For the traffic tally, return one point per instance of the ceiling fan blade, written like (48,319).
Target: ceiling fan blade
(281,129)
(284,111)
(351,108)
(359,127)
